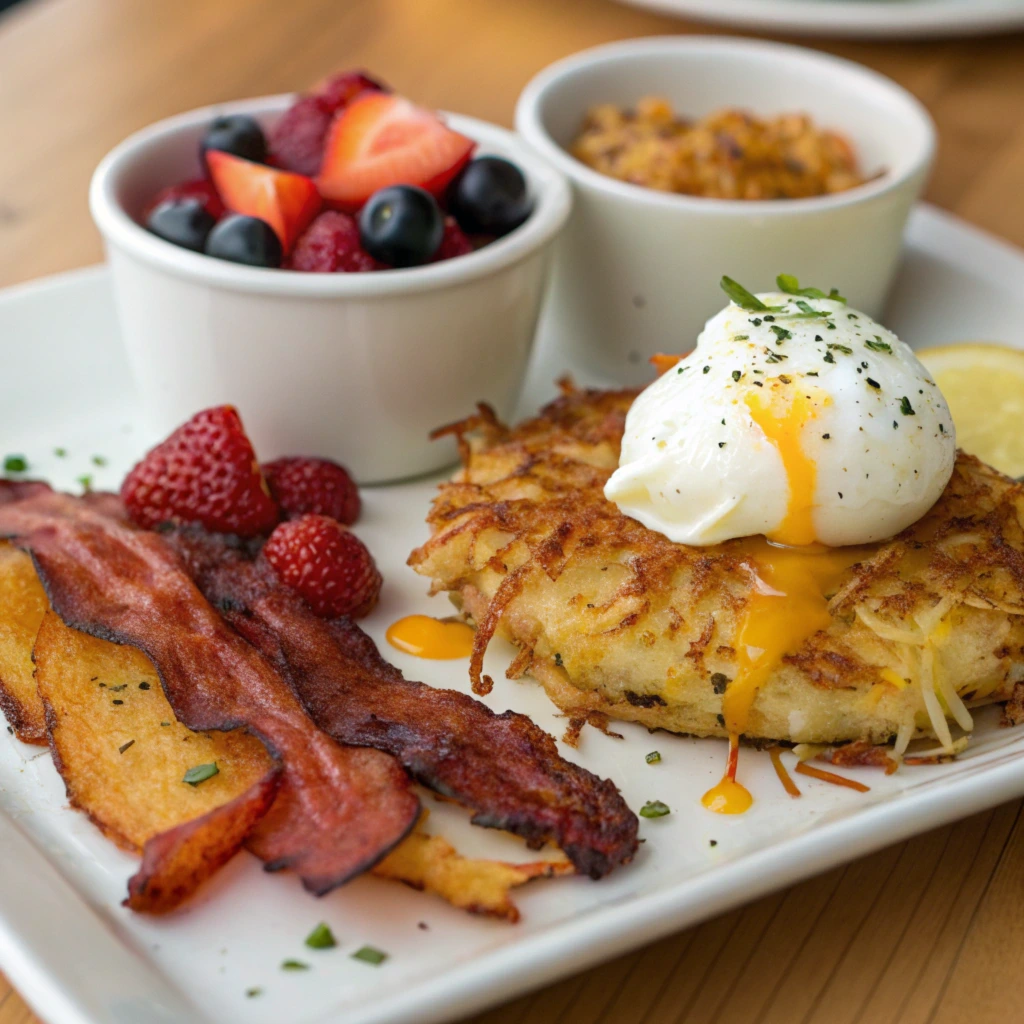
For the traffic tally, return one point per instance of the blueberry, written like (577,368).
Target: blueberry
(245,240)
(238,134)
(185,222)
(489,197)
(401,225)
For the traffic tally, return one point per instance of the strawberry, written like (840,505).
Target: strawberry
(325,564)
(196,188)
(297,139)
(381,140)
(331,245)
(286,201)
(301,485)
(206,472)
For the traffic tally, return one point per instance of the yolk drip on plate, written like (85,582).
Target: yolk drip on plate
(789,605)
(781,417)
(431,638)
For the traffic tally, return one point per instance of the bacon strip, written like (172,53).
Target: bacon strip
(339,810)
(503,766)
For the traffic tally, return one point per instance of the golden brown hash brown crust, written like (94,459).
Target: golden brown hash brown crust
(610,616)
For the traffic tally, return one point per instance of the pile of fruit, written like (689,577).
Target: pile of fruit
(206,474)
(350,178)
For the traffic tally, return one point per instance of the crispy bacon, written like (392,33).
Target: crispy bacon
(504,767)
(339,810)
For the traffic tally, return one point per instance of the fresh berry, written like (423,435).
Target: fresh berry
(197,188)
(206,472)
(297,139)
(381,140)
(287,202)
(454,243)
(245,240)
(185,222)
(489,197)
(331,245)
(234,133)
(325,564)
(301,485)
(401,225)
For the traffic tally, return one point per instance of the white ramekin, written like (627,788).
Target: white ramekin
(638,271)
(355,367)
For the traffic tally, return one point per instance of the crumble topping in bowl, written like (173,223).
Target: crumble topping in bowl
(729,154)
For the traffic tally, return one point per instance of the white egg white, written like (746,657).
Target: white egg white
(697,468)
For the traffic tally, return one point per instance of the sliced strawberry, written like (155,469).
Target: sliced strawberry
(381,140)
(286,201)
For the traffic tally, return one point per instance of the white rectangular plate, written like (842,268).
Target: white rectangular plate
(80,958)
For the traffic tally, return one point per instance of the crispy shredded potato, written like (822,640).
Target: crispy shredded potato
(24,603)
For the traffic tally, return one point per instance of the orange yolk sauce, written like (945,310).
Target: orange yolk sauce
(794,576)
(426,637)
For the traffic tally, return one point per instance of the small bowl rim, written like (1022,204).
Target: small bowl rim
(531,126)
(552,205)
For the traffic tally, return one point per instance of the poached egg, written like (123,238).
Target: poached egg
(796,418)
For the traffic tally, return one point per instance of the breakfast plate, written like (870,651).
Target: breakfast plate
(859,19)
(79,957)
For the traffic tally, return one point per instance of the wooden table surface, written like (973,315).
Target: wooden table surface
(931,930)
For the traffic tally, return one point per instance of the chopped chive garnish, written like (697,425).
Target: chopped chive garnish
(781,333)
(165,724)
(85,482)
(370,955)
(741,337)
(201,773)
(829,358)
(740,295)
(61,453)
(143,686)
(878,345)
(15,464)
(907,409)
(99,460)
(654,809)
(707,369)
(321,937)
(791,286)
(252,993)
(294,965)
(774,357)
(653,757)
(736,374)
(124,746)
(840,348)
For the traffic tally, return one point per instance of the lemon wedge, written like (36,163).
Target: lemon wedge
(984,386)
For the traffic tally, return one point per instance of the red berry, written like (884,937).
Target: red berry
(331,245)
(197,188)
(454,243)
(325,564)
(297,140)
(206,472)
(300,485)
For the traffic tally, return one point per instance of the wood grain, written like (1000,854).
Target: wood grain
(926,932)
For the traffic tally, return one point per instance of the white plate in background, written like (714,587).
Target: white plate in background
(855,19)
(80,958)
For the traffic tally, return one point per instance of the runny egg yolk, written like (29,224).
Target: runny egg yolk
(426,637)
(789,605)
(781,415)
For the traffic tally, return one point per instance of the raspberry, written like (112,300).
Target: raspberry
(301,485)
(454,242)
(325,564)
(205,472)
(331,245)
(297,140)
(197,188)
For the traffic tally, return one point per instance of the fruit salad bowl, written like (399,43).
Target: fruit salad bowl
(359,367)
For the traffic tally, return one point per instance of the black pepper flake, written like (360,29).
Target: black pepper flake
(811,373)
(871,382)
(758,384)
(942,429)
(769,319)
(712,842)
(124,746)
(785,379)
(826,436)
(721,444)
(840,493)
(895,425)
(818,337)
(117,702)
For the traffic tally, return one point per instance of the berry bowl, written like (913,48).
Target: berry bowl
(357,367)
(638,268)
